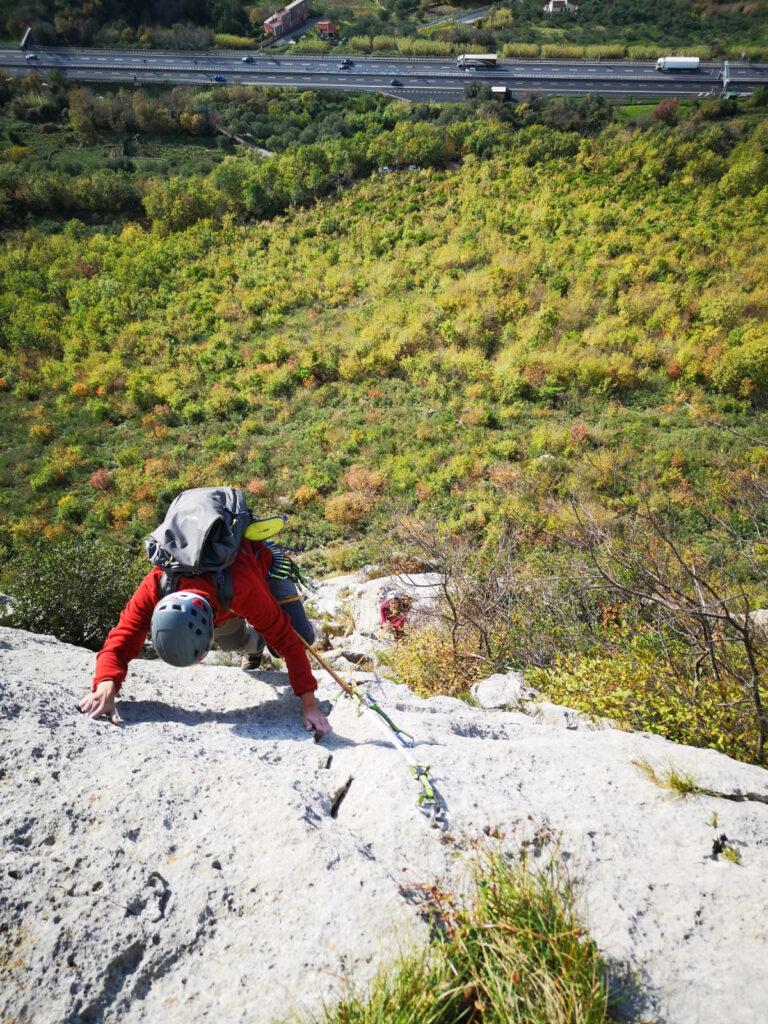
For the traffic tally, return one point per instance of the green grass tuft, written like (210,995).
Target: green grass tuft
(516,953)
(671,779)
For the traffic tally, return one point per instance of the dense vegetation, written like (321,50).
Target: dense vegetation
(395,24)
(539,309)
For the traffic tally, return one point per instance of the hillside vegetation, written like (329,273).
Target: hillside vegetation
(522,313)
(643,28)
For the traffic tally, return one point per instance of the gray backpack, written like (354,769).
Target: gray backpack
(201,533)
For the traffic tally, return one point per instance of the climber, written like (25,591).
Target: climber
(394,611)
(186,622)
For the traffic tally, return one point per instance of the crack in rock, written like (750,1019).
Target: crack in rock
(339,797)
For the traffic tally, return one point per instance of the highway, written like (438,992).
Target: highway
(412,79)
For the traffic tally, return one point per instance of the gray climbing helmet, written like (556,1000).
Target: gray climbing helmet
(182,628)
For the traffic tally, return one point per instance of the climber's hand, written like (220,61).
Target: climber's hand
(313,718)
(101,702)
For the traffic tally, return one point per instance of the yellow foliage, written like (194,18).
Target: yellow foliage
(348,508)
(122,512)
(426,662)
(40,431)
(157,468)
(304,495)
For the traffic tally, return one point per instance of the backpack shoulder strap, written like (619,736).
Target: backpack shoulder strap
(224,587)
(169,584)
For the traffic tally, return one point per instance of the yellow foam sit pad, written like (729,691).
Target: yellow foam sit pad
(264,528)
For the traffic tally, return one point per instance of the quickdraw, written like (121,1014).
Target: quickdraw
(429,801)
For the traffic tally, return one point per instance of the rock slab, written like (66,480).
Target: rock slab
(209,861)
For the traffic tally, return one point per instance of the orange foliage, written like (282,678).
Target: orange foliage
(101,480)
(156,467)
(360,478)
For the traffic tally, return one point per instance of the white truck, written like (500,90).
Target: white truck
(477,60)
(677,64)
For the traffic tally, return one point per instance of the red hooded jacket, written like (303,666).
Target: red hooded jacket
(251,600)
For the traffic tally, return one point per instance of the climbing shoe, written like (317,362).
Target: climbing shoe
(250,662)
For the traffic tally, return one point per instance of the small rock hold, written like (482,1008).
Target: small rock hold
(216,865)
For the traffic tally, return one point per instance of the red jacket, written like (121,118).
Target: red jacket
(251,600)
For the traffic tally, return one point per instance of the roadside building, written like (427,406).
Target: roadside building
(327,30)
(287,18)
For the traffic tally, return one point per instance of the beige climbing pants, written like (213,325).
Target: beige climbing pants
(237,635)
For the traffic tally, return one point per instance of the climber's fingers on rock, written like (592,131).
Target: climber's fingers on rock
(87,704)
(97,704)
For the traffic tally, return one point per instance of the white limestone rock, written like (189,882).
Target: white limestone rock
(502,690)
(187,866)
(6,610)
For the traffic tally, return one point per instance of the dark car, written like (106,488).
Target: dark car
(219,78)
(395,81)
(346,63)
(248,59)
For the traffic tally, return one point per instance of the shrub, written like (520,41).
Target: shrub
(348,508)
(72,587)
(743,370)
(257,487)
(426,662)
(305,495)
(527,50)
(227,41)
(666,111)
(360,478)
(633,686)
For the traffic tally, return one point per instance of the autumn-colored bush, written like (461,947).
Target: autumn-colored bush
(348,508)
(304,495)
(426,661)
(101,480)
(361,478)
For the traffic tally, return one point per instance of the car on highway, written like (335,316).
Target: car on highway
(30,56)
(346,63)
(219,78)
(248,59)
(395,81)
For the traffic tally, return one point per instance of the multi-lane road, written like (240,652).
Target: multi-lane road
(428,79)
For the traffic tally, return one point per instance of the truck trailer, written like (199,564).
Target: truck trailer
(677,64)
(477,60)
